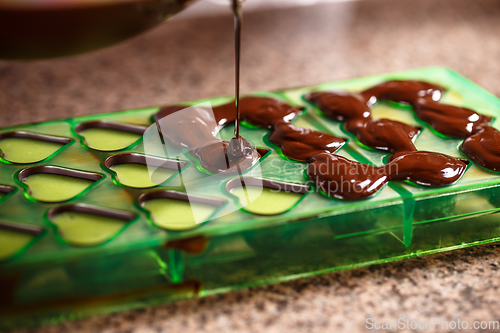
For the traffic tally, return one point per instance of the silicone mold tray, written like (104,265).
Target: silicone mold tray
(100,247)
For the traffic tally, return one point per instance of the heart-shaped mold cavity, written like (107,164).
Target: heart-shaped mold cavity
(141,171)
(266,197)
(178,211)
(25,147)
(56,184)
(85,225)
(15,237)
(107,136)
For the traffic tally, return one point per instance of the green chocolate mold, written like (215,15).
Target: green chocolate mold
(83,225)
(15,237)
(26,147)
(265,197)
(55,184)
(106,136)
(132,169)
(177,211)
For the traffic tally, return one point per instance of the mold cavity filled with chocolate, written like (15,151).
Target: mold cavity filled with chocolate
(25,147)
(265,197)
(177,211)
(140,171)
(85,225)
(195,129)
(14,237)
(56,184)
(107,136)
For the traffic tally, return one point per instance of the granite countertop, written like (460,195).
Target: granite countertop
(192,59)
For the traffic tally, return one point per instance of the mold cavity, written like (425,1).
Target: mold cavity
(5,191)
(178,211)
(263,153)
(26,147)
(106,136)
(266,197)
(15,237)
(132,169)
(55,184)
(84,225)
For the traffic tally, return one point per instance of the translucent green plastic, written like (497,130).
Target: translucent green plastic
(161,255)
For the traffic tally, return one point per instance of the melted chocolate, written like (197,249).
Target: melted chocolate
(383,134)
(404,92)
(484,148)
(426,168)
(302,144)
(223,156)
(453,121)
(341,106)
(258,111)
(352,180)
(194,130)
(353,108)
(335,175)
(344,179)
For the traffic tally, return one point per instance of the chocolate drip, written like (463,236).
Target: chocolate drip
(484,148)
(302,144)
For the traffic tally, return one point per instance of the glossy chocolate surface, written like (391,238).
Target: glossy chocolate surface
(195,130)
(335,175)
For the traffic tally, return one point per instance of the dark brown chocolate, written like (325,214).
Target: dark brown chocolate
(352,180)
(258,111)
(484,148)
(404,92)
(453,121)
(217,156)
(383,134)
(194,130)
(302,144)
(335,175)
(340,105)
(341,178)
(344,179)
(426,168)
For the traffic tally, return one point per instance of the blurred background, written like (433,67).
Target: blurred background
(285,44)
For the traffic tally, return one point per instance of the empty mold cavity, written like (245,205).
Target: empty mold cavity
(84,225)
(178,211)
(26,147)
(266,197)
(107,136)
(56,184)
(15,237)
(5,191)
(132,169)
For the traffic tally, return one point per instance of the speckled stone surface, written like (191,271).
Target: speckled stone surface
(185,60)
